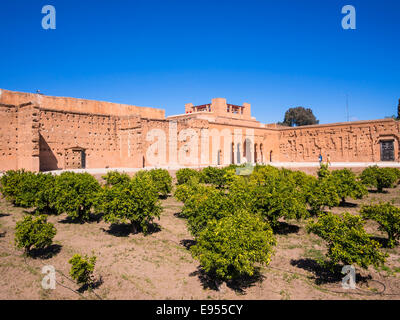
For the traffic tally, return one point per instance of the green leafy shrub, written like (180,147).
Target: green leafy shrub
(230,176)
(379,178)
(114,177)
(323,171)
(162,181)
(11,183)
(34,232)
(160,178)
(82,269)
(75,194)
(214,176)
(135,202)
(347,241)
(204,206)
(271,195)
(265,175)
(44,193)
(322,193)
(185,174)
(283,202)
(233,246)
(27,189)
(348,185)
(388,218)
(304,182)
(395,172)
(184,191)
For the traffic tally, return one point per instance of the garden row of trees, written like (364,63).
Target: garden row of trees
(80,194)
(121,199)
(234,218)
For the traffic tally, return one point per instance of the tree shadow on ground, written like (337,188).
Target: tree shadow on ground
(119,230)
(284,228)
(346,204)
(124,229)
(4,215)
(179,215)
(153,227)
(94,285)
(48,212)
(239,285)
(187,243)
(45,253)
(96,217)
(384,242)
(93,217)
(323,275)
(377,192)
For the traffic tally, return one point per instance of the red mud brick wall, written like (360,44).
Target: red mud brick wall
(354,142)
(8,137)
(28,137)
(97,134)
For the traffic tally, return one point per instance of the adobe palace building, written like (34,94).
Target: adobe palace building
(43,133)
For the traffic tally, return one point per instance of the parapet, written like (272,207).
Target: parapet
(79,105)
(219,107)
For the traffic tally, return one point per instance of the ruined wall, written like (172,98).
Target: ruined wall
(19,137)
(79,105)
(344,142)
(8,137)
(165,142)
(97,134)
(28,137)
(129,134)
(197,142)
(54,135)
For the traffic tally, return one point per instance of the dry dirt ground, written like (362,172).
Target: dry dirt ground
(160,266)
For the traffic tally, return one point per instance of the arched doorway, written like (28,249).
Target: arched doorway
(233,153)
(247,152)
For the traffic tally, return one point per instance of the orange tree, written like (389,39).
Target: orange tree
(232,246)
(347,241)
(135,202)
(388,218)
(75,194)
(34,232)
(379,178)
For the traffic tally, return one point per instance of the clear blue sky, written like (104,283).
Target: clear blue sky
(272,54)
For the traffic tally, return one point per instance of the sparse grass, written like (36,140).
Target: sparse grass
(284,295)
(290,277)
(314,254)
(33,270)
(396,269)
(125,277)
(142,267)
(293,246)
